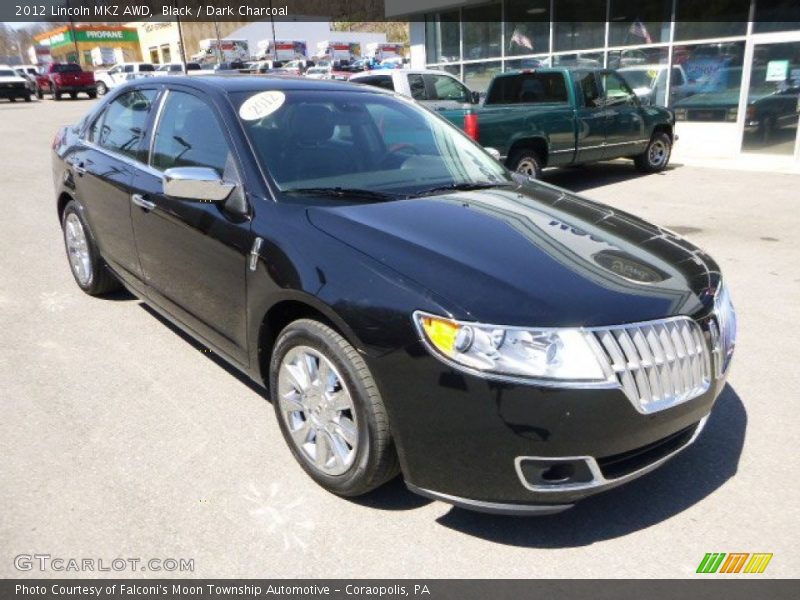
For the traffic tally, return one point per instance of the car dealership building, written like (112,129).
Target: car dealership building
(734,65)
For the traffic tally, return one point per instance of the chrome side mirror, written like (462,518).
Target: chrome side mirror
(201,184)
(493,152)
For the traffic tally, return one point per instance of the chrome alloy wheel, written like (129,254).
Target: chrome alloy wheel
(527,166)
(318,410)
(657,153)
(78,249)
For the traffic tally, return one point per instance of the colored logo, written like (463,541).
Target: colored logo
(735,562)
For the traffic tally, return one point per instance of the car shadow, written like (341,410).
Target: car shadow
(595,175)
(684,481)
(208,353)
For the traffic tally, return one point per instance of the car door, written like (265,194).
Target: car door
(103,170)
(625,133)
(193,254)
(446,92)
(590,117)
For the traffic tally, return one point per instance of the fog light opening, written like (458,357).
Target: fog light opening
(558,473)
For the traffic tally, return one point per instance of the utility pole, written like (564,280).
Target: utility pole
(180,39)
(274,40)
(72,33)
(219,43)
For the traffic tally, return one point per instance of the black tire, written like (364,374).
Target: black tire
(73,95)
(12,99)
(656,156)
(375,461)
(56,94)
(92,95)
(39,94)
(526,161)
(102,281)
(28,98)
(102,88)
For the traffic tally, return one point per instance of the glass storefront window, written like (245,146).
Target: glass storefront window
(773,99)
(478,75)
(482,31)
(695,20)
(452,69)
(534,62)
(443,37)
(634,22)
(527,27)
(572,34)
(776,15)
(713,75)
(591,60)
(645,70)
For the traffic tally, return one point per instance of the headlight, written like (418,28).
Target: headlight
(558,355)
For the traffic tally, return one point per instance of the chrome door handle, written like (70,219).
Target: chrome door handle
(140,201)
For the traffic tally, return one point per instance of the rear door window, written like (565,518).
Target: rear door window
(589,89)
(121,127)
(381,81)
(528,88)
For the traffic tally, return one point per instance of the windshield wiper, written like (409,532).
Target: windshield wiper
(460,187)
(340,192)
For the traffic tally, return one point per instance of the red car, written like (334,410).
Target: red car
(59,78)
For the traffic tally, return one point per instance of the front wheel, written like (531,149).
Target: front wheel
(527,162)
(656,156)
(28,97)
(329,410)
(102,88)
(39,94)
(85,262)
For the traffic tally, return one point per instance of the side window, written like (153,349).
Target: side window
(128,69)
(590,90)
(121,127)
(115,70)
(617,92)
(381,81)
(417,85)
(447,88)
(188,134)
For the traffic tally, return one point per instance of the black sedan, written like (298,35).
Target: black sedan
(410,305)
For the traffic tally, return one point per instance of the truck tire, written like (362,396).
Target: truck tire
(92,95)
(28,97)
(73,95)
(39,93)
(656,156)
(102,88)
(355,426)
(56,93)
(527,162)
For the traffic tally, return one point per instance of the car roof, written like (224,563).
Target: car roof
(390,72)
(232,83)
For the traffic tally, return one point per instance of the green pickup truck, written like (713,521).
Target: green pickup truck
(558,117)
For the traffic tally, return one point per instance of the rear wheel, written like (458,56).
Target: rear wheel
(329,410)
(656,156)
(39,93)
(56,94)
(102,88)
(73,95)
(526,161)
(28,97)
(85,262)
(92,95)
(12,99)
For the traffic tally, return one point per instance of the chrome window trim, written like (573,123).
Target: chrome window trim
(598,481)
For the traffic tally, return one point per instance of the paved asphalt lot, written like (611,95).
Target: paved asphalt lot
(121,437)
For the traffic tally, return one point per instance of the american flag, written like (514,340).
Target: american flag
(520,39)
(639,30)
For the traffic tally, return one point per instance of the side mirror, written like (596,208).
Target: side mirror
(200,184)
(475,97)
(493,152)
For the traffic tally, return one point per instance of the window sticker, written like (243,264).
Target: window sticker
(261,105)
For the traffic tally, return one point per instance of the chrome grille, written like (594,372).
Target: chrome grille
(658,364)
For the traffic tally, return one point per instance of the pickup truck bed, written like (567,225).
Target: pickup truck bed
(559,117)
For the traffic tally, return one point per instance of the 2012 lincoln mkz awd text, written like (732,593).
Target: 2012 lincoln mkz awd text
(410,305)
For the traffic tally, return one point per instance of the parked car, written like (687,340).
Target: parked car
(120,73)
(14,86)
(176,69)
(264,66)
(297,67)
(435,89)
(29,73)
(66,78)
(326,72)
(557,117)
(408,307)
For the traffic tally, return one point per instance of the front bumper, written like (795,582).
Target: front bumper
(484,444)
(15,92)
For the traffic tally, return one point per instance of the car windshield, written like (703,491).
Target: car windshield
(365,141)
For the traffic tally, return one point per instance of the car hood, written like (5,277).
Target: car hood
(535,255)
(12,79)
